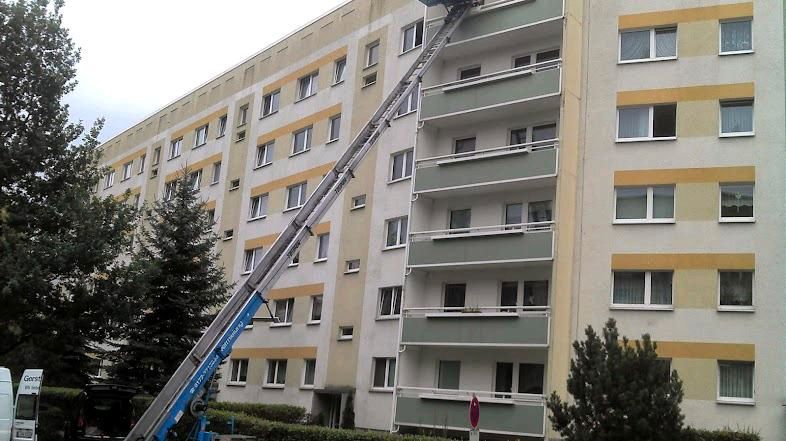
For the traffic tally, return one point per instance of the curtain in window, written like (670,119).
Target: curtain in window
(736,117)
(629,288)
(635,45)
(632,203)
(736,36)
(666,42)
(736,380)
(634,122)
(663,202)
(660,288)
(737,201)
(736,288)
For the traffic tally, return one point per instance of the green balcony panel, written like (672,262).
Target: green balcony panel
(524,419)
(481,170)
(474,329)
(511,247)
(509,89)
(506,18)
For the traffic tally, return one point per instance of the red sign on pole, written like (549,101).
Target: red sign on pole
(474,412)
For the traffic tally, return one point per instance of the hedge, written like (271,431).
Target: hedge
(720,435)
(272,412)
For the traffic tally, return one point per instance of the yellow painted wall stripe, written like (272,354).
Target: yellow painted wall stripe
(674,16)
(210,205)
(292,179)
(130,157)
(263,241)
(130,192)
(691,93)
(684,175)
(198,123)
(322,228)
(299,124)
(715,351)
(305,70)
(275,353)
(729,261)
(195,166)
(296,291)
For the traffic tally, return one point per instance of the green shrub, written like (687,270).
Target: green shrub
(720,435)
(272,412)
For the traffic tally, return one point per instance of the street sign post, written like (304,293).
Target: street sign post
(474,418)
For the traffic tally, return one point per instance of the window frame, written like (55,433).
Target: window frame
(340,62)
(270,365)
(156,156)
(197,131)
(401,224)
(195,179)
(333,137)
(234,374)
(366,82)
(412,103)
(463,69)
(734,400)
(109,179)
(269,148)
(396,298)
(415,44)
(141,168)
(737,308)
(175,148)
(216,178)
(253,214)
(342,336)
(267,107)
(406,153)
(720,37)
(355,206)
(389,383)
(313,85)
(721,133)
(320,237)
(311,320)
(308,135)
(128,170)
(653,49)
(369,51)
(348,266)
(222,126)
(732,220)
(303,384)
(289,308)
(647,305)
(170,188)
(302,196)
(250,256)
(242,115)
(649,219)
(651,125)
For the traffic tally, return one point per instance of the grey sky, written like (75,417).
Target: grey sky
(138,56)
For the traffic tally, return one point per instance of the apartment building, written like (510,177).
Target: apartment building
(563,162)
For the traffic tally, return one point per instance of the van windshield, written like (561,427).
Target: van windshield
(107,416)
(25,407)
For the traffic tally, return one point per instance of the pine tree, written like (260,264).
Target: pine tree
(182,284)
(621,392)
(59,243)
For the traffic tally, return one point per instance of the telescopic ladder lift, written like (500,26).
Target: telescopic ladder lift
(184,390)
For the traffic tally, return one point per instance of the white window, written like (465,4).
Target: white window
(276,373)
(175,147)
(234,184)
(370,79)
(735,382)
(323,242)
(412,36)
(156,155)
(410,103)
(736,118)
(345,332)
(389,302)
(449,374)
(258,207)
(735,290)
(401,165)
(222,126)
(650,289)
(645,123)
(127,167)
(308,85)
(469,72)
(648,44)
(736,37)
(200,136)
(242,115)
(296,195)
(644,205)
(309,369)
(316,310)
(265,154)
(109,179)
(295,260)
(251,259)
(270,103)
(301,140)
(334,128)
(228,234)
(736,203)
(384,373)
(142,160)
(239,136)
(460,219)
(169,190)
(372,54)
(284,310)
(239,371)
(358,202)
(216,172)
(352,266)
(396,234)
(195,180)
(338,70)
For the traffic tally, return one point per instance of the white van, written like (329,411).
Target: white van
(26,414)
(6,404)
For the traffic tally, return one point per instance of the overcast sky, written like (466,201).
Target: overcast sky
(138,56)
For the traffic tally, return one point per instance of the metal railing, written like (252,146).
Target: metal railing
(476,311)
(460,394)
(527,147)
(528,227)
(494,76)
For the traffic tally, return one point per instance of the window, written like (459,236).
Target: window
(736,202)
(518,136)
(464,145)
(222,126)
(200,136)
(239,370)
(211,214)
(524,60)
(295,260)
(276,373)
(401,166)
(109,179)
(642,288)
(545,56)
(265,154)
(536,293)
(648,44)
(137,198)
(513,214)
(169,190)
(735,382)
(645,123)
(127,167)
(410,103)
(644,204)
(412,37)
(389,302)
(156,155)
(153,173)
(736,118)
(242,115)
(469,72)
(369,80)
(539,211)
(334,128)
(531,378)
(338,70)
(284,309)
(449,374)
(309,369)
(384,373)
(352,266)
(396,232)
(270,103)
(301,140)
(228,234)
(316,309)
(503,380)
(323,242)
(358,202)
(736,290)
(251,259)
(460,219)
(455,294)
(234,184)
(736,37)
(372,54)
(258,207)
(216,172)
(195,180)
(175,147)
(241,135)
(345,332)
(142,164)
(307,86)
(296,196)
(544,132)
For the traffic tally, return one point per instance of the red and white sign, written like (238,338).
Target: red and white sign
(474,412)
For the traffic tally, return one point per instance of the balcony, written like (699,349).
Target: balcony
(494,326)
(488,169)
(516,414)
(533,88)
(478,246)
